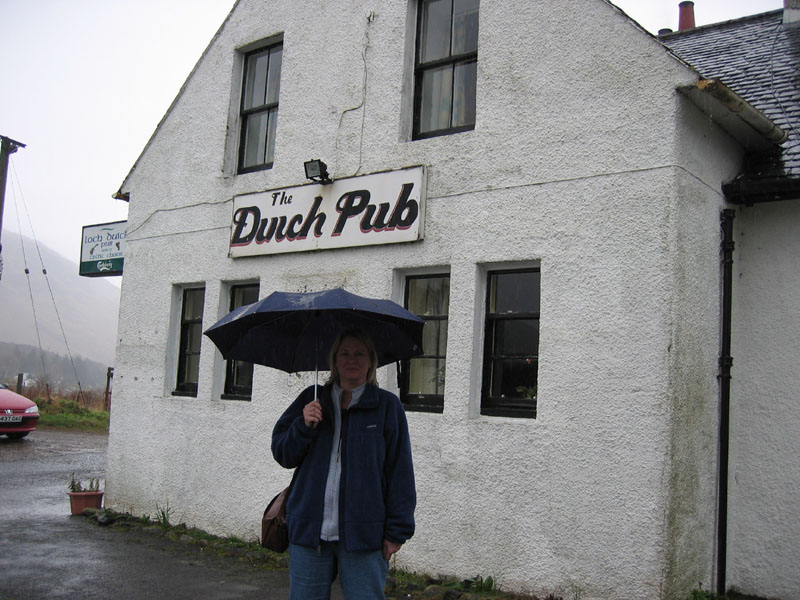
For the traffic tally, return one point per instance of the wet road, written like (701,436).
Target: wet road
(47,554)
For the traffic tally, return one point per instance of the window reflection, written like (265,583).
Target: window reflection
(423,380)
(511,352)
(446,68)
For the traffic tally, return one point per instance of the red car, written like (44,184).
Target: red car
(18,415)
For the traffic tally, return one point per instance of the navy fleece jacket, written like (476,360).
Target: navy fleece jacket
(377,496)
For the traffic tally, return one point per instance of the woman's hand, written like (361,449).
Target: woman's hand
(312,413)
(390,548)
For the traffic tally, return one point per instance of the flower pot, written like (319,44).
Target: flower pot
(80,500)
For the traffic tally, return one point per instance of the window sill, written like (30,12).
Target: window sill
(515,412)
(239,397)
(440,132)
(254,169)
(423,404)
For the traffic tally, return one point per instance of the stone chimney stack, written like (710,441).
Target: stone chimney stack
(791,11)
(686,14)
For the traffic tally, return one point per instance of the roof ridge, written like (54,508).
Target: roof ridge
(720,24)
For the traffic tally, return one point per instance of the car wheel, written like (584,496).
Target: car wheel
(16,436)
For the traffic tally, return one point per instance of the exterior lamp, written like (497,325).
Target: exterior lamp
(316,170)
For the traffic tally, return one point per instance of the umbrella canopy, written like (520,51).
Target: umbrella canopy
(295,331)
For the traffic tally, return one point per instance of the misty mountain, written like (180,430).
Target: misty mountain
(88,307)
(59,371)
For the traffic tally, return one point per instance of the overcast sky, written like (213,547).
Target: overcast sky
(85,82)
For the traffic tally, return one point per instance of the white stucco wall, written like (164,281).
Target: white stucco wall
(583,160)
(764,530)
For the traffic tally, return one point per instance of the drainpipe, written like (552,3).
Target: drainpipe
(725,364)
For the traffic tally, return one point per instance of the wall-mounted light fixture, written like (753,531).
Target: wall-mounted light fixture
(316,170)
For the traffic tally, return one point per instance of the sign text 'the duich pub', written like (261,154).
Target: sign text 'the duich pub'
(382,208)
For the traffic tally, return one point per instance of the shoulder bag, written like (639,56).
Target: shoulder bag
(274,531)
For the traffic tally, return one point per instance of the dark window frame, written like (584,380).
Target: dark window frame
(268,108)
(420,68)
(232,388)
(183,387)
(431,403)
(506,406)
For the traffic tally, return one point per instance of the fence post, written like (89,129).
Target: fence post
(20,379)
(109,377)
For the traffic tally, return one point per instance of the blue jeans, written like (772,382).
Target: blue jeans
(362,575)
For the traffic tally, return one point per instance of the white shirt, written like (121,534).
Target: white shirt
(330,511)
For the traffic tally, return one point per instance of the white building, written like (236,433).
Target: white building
(562,237)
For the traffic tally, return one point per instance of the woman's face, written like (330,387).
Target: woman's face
(352,362)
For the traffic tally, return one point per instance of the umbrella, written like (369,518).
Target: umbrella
(295,331)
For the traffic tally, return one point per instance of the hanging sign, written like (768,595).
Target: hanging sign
(103,249)
(382,208)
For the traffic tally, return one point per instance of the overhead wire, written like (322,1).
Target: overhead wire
(30,292)
(15,178)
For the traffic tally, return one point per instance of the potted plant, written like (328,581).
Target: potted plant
(84,495)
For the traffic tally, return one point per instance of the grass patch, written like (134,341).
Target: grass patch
(228,547)
(68,414)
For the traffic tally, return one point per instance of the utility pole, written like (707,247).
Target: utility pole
(7,148)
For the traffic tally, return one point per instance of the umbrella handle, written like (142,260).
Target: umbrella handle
(316,374)
(314,425)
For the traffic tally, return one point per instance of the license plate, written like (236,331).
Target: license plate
(13,419)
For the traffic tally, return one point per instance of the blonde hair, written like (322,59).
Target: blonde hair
(361,336)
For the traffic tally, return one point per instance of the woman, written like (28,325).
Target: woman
(352,504)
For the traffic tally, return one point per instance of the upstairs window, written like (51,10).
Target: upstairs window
(446,67)
(422,377)
(511,351)
(238,373)
(191,337)
(259,111)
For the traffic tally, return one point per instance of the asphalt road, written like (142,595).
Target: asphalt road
(45,553)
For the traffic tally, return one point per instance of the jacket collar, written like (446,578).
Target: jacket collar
(368,399)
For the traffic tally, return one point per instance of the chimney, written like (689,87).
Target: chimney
(791,11)
(686,15)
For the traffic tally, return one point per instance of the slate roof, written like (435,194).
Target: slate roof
(757,57)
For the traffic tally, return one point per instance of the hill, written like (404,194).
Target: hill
(88,307)
(59,370)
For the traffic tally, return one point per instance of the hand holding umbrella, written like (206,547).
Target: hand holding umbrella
(312,413)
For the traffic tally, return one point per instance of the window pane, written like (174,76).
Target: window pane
(194,336)
(434,338)
(426,376)
(465,26)
(428,296)
(260,93)
(243,294)
(435,30)
(464,92)
(255,139)
(514,378)
(516,337)
(514,292)
(239,374)
(437,85)
(512,344)
(193,304)
(272,127)
(422,384)
(190,340)
(192,372)
(274,75)
(240,379)
(255,88)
